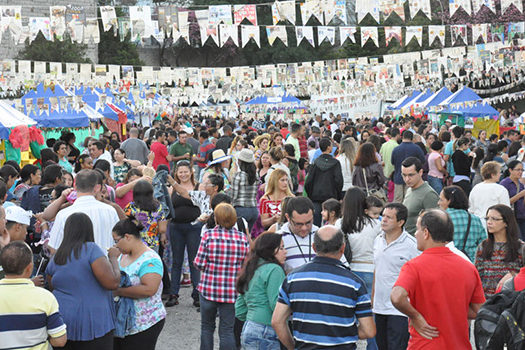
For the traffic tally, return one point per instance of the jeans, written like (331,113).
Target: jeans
(392,332)
(145,340)
(249,214)
(368,278)
(257,336)
(184,236)
(318,218)
(226,320)
(436,183)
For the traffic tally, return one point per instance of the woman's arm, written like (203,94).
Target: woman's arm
(162,228)
(122,190)
(439,166)
(107,272)
(517,197)
(52,209)
(149,284)
(132,162)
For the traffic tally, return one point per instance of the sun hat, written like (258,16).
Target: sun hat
(17,214)
(246,155)
(218,156)
(188,130)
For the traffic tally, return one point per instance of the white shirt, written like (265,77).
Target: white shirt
(346,170)
(485,195)
(103,216)
(362,244)
(106,156)
(450,245)
(388,261)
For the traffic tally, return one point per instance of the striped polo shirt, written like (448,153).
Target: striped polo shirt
(326,299)
(28,315)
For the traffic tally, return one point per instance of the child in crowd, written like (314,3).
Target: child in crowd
(374,207)
(331,211)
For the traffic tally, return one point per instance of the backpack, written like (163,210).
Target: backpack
(501,320)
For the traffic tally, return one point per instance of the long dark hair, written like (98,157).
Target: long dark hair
(264,248)
(215,201)
(513,244)
(81,159)
(492,151)
(354,216)
(366,155)
(78,230)
(250,170)
(143,196)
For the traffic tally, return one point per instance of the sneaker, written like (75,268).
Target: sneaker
(172,300)
(185,283)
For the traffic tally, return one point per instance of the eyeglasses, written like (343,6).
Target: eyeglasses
(520,170)
(490,218)
(117,240)
(301,224)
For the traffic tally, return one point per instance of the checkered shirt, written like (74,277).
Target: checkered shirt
(220,257)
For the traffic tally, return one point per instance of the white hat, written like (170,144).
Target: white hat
(246,155)
(521,153)
(218,156)
(188,130)
(17,214)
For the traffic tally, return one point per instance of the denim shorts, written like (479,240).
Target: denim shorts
(256,336)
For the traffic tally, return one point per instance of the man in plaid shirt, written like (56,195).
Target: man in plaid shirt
(220,257)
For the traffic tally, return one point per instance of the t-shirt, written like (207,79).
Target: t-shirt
(441,285)
(179,149)
(423,197)
(161,151)
(123,201)
(484,195)
(135,149)
(432,168)
(150,220)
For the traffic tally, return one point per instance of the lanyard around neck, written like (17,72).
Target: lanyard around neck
(309,246)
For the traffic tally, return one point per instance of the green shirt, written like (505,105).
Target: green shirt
(178,149)
(386,154)
(423,197)
(258,302)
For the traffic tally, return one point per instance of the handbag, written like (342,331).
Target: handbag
(378,193)
(466,234)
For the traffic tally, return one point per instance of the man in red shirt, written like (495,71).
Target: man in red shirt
(439,291)
(161,151)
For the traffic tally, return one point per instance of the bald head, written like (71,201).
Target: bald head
(438,224)
(328,240)
(134,132)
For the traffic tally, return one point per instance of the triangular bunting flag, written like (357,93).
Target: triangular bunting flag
(505,4)
(326,33)
(419,5)
(305,32)
(391,33)
(369,33)
(205,28)
(109,18)
(436,32)
(240,12)
(387,7)
(347,33)
(414,32)
(479,30)
(283,11)
(498,32)
(478,4)
(458,31)
(454,5)
(311,8)
(227,31)
(364,7)
(250,32)
(274,32)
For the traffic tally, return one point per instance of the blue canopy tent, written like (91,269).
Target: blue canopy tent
(411,98)
(274,100)
(438,97)
(462,95)
(10,118)
(394,105)
(476,110)
(62,119)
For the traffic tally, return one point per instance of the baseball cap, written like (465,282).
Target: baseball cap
(17,214)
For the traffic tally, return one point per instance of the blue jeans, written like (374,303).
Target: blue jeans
(249,214)
(257,336)
(184,236)
(226,320)
(368,278)
(436,183)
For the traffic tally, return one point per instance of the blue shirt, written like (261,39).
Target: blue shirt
(402,152)
(318,153)
(87,308)
(326,299)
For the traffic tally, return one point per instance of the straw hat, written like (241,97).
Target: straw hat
(259,139)
(246,155)
(218,156)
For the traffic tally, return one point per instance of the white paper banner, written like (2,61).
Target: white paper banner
(250,32)
(305,32)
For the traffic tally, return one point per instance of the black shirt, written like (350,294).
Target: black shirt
(184,210)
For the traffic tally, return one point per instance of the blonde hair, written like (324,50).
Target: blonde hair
(225,215)
(272,184)
(490,168)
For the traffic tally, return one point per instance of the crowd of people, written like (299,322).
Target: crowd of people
(394,231)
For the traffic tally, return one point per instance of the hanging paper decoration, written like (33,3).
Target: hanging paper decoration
(124,27)
(240,12)
(109,18)
(478,4)
(326,33)
(39,24)
(183,29)
(388,7)
(414,32)
(340,11)
(250,32)
(91,31)
(458,32)
(75,22)
(220,14)
(11,21)
(419,5)
(391,33)
(274,32)
(369,33)
(227,31)
(498,32)
(347,33)
(167,16)
(57,22)
(205,29)
(141,25)
(479,30)
(364,7)
(283,11)
(454,5)
(436,32)
(515,28)
(505,4)
(305,32)
(311,8)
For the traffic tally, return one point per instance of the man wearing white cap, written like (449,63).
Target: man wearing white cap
(17,222)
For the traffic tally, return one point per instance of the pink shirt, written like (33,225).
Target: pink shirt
(123,201)
(432,169)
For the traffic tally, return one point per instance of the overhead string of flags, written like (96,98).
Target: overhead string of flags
(227,23)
